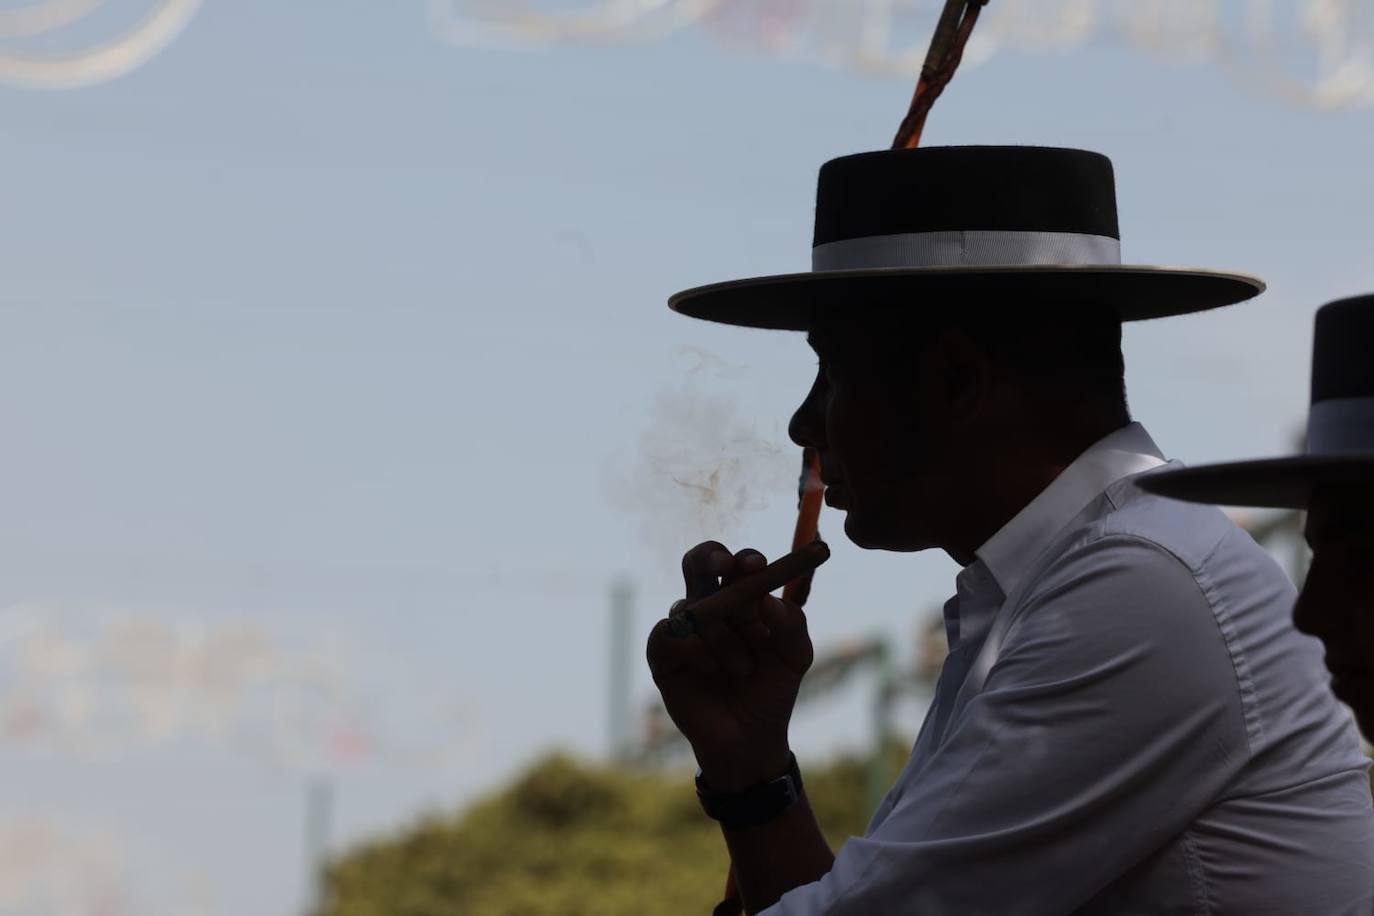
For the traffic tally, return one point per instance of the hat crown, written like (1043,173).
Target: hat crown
(1013,223)
(1026,189)
(1343,349)
(1341,418)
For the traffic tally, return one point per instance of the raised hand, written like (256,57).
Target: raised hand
(729,675)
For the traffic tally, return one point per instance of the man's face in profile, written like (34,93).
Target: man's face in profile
(1337,600)
(873,426)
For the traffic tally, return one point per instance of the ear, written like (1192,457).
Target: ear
(963,373)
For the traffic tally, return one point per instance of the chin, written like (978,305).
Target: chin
(1358,694)
(863,533)
(1365,722)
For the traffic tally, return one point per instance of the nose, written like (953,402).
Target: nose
(807,427)
(1324,608)
(1307,611)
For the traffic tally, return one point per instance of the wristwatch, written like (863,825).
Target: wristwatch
(755,805)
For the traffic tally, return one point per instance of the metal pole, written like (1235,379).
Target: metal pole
(319,815)
(618,675)
(1301,556)
(876,778)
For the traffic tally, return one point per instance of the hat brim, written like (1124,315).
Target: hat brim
(1277,483)
(794,301)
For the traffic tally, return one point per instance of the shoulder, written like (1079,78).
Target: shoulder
(1118,630)
(1116,588)
(1136,540)
(1136,569)
(1191,533)
(1120,617)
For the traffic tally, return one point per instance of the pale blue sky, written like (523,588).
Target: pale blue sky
(319,322)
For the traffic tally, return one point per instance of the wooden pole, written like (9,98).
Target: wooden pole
(946,51)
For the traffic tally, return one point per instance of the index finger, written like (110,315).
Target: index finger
(750,588)
(702,567)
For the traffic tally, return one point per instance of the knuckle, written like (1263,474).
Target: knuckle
(658,634)
(706,548)
(700,554)
(749,560)
(651,645)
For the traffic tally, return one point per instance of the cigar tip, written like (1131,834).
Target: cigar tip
(820,549)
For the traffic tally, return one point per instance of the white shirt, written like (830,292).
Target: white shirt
(1127,723)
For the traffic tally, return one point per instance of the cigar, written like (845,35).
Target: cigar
(795,565)
(810,495)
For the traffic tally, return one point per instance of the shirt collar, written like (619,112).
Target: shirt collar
(1007,555)
(969,613)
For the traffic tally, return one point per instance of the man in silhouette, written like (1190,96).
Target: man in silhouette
(1123,723)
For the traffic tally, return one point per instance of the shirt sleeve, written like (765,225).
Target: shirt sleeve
(1111,719)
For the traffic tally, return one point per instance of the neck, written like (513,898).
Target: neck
(1003,495)
(999,482)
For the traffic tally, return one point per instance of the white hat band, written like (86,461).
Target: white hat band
(1341,425)
(973,248)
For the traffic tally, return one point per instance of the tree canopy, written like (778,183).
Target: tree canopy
(568,838)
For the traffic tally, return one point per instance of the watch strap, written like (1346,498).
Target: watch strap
(755,805)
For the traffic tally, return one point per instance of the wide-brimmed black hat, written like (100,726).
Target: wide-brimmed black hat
(1020,224)
(1340,428)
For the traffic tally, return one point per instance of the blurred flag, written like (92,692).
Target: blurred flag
(1314,53)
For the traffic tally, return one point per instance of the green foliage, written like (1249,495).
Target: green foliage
(566,839)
